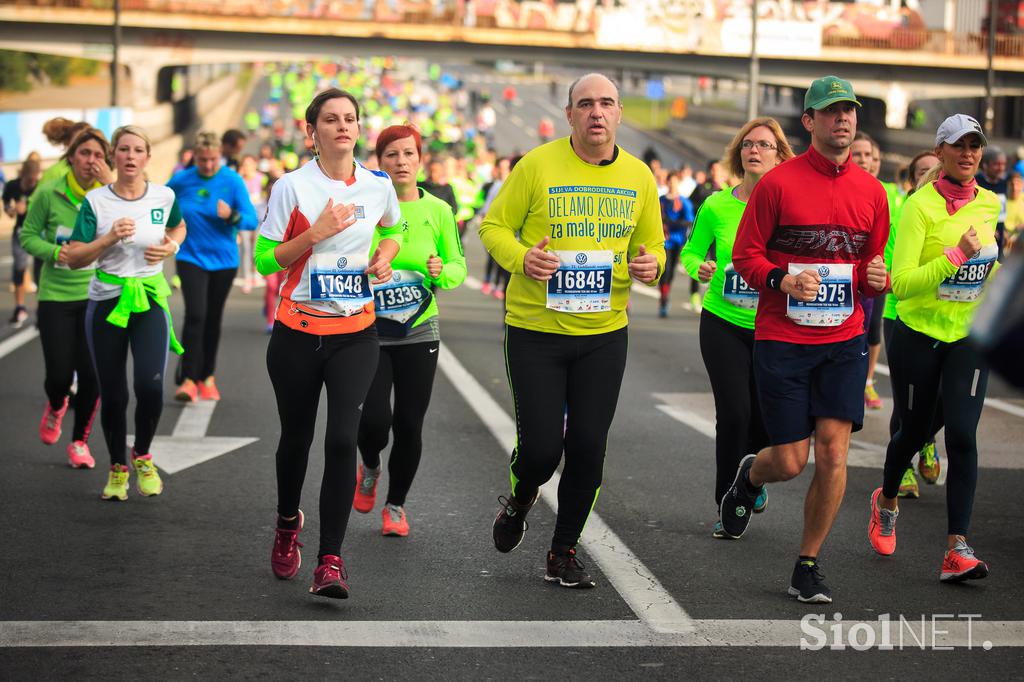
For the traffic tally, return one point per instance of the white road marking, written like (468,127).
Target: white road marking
(995,403)
(910,634)
(16,341)
(472,282)
(648,599)
(644,290)
(188,445)
(697,411)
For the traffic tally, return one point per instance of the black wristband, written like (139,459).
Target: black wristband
(774,279)
(235,218)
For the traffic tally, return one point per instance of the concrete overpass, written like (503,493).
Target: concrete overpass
(152,40)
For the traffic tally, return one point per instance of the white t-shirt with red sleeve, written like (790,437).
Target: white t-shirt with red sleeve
(325,277)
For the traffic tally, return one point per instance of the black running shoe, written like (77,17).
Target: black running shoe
(510,524)
(567,571)
(808,583)
(737,503)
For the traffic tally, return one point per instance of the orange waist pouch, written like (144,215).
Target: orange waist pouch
(302,318)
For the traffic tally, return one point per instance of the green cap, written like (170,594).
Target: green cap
(828,90)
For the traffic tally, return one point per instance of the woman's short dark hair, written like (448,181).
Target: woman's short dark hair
(313,110)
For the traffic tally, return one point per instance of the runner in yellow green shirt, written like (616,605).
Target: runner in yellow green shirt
(576,221)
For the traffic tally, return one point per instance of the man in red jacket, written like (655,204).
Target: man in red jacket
(810,240)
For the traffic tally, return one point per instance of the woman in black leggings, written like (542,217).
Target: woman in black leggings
(64,294)
(410,336)
(129,229)
(320,222)
(727,320)
(945,252)
(215,204)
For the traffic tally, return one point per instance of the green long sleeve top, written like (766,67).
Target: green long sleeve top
(48,225)
(716,223)
(430,231)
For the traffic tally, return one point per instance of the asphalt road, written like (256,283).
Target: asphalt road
(179,586)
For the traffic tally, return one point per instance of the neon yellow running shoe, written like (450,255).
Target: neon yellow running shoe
(147,478)
(908,486)
(117,484)
(928,464)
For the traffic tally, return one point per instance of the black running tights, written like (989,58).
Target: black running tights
(889,326)
(148,335)
(300,365)
(922,369)
(65,351)
(409,369)
(205,293)
(728,353)
(565,390)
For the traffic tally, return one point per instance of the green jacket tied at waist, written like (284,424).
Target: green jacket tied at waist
(135,295)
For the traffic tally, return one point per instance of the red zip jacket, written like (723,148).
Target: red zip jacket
(809,210)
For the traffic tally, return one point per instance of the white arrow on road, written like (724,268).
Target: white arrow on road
(188,444)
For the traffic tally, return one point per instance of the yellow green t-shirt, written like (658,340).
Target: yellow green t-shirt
(920,266)
(611,209)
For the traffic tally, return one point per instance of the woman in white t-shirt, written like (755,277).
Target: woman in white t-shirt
(319,225)
(128,229)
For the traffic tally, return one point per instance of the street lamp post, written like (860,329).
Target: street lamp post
(990,80)
(755,87)
(116,40)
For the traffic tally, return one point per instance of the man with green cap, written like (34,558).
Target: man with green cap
(810,241)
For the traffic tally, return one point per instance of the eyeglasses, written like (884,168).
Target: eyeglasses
(763,145)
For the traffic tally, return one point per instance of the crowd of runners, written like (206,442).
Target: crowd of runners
(350,211)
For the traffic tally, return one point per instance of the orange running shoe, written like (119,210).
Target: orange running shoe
(395,523)
(49,425)
(187,392)
(960,564)
(79,456)
(882,527)
(208,389)
(366,489)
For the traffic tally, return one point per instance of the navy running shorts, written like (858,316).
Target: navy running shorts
(798,383)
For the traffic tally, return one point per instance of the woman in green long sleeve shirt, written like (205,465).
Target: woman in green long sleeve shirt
(64,295)
(431,258)
(727,319)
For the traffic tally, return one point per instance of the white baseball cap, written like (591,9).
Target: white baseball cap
(956,126)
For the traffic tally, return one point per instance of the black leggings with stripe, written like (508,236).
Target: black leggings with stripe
(300,365)
(565,389)
(409,370)
(147,334)
(924,369)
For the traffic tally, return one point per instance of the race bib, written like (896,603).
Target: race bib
(967,282)
(62,237)
(738,292)
(582,283)
(834,302)
(341,280)
(400,298)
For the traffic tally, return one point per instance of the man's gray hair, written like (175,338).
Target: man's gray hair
(992,153)
(618,97)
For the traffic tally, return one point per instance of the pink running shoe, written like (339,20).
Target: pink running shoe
(285,557)
(79,456)
(329,578)
(49,426)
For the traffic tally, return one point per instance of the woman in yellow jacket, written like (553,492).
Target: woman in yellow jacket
(944,254)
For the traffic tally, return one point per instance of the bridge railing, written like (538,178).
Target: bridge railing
(669,25)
